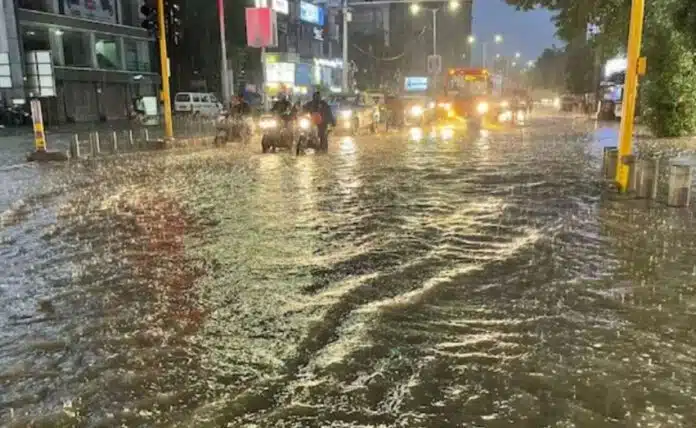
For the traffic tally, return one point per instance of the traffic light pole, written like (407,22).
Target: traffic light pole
(635,34)
(164,65)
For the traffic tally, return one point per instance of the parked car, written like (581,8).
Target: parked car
(197,104)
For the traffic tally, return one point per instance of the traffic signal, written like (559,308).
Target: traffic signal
(149,12)
(173,19)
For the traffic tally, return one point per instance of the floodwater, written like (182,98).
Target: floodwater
(480,282)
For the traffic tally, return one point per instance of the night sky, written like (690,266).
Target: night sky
(526,32)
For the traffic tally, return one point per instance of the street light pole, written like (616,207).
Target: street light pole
(346,19)
(435,45)
(223,55)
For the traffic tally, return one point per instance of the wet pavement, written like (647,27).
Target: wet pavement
(478,282)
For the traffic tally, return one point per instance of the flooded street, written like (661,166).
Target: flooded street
(479,282)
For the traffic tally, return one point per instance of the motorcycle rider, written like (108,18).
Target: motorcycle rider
(240,108)
(282,105)
(322,117)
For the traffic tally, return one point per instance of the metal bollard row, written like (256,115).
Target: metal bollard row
(644,177)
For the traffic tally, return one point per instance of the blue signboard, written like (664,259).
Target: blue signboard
(303,75)
(312,14)
(416,84)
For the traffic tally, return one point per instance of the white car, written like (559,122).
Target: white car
(197,104)
(354,113)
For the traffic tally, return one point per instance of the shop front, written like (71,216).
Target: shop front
(328,73)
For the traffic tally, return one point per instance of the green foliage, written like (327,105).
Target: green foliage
(668,91)
(549,70)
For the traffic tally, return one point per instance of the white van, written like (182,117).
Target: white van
(197,103)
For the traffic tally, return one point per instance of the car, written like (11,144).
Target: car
(419,110)
(354,112)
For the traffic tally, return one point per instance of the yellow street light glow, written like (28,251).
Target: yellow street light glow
(471,39)
(415,8)
(498,38)
(454,5)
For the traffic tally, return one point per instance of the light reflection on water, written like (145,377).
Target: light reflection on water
(477,282)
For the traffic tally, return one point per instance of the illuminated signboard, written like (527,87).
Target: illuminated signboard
(279,6)
(312,14)
(416,84)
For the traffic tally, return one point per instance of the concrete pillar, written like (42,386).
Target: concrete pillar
(679,190)
(57,51)
(647,173)
(10,42)
(93,49)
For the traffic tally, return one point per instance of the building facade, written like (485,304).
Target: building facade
(308,54)
(102,57)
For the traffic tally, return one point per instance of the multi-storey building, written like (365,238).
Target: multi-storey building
(102,57)
(309,51)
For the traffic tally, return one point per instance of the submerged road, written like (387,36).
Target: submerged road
(478,282)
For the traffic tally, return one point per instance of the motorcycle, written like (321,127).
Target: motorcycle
(230,128)
(276,132)
(307,135)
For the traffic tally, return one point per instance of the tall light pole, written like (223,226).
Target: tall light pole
(164,65)
(223,54)
(497,39)
(346,20)
(633,61)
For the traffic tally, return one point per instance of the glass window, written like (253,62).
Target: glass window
(137,55)
(38,5)
(213,99)
(108,52)
(76,49)
(205,99)
(35,39)
(131,13)
(183,98)
(196,99)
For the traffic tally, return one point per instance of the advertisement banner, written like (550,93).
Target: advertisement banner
(280,72)
(416,84)
(261,27)
(96,10)
(312,14)
(303,75)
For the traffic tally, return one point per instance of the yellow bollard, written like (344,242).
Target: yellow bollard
(634,65)
(37,119)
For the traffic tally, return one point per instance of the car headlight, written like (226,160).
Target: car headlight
(346,114)
(447,133)
(557,102)
(416,111)
(305,123)
(505,104)
(431,105)
(268,123)
(482,108)
(446,106)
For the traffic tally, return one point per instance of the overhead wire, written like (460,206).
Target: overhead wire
(395,57)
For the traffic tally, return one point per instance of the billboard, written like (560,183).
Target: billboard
(312,14)
(96,10)
(261,27)
(412,84)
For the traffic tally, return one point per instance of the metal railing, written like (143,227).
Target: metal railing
(187,131)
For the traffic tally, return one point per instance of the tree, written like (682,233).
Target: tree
(668,91)
(549,70)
